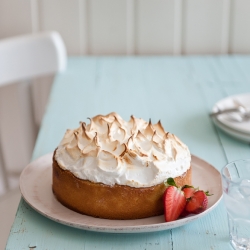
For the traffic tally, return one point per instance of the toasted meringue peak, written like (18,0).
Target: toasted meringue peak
(149,131)
(159,129)
(112,151)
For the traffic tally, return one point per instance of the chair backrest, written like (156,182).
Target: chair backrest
(23,58)
(30,56)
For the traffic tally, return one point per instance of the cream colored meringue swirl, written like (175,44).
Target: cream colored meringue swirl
(112,151)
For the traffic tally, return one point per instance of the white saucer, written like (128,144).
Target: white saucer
(36,181)
(234,133)
(224,119)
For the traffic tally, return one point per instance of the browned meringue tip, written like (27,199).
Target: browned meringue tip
(83,125)
(111,133)
(140,135)
(125,150)
(131,153)
(149,131)
(159,128)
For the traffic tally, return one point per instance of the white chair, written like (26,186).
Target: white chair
(22,59)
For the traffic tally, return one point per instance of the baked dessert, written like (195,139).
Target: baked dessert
(115,169)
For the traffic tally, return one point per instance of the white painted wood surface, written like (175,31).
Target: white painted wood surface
(134,26)
(155,27)
(202,26)
(15,17)
(239,39)
(63,16)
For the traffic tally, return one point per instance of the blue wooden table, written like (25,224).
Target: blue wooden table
(178,90)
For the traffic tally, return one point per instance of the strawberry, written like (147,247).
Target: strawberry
(197,203)
(188,191)
(174,201)
(182,201)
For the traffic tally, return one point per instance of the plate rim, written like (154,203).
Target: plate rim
(114,229)
(232,132)
(222,121)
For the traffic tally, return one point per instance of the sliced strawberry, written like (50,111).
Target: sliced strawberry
(197,203)
(188,191)
(182,201)
(184,213)
(174,203)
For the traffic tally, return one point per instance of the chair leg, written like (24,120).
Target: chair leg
(4,171)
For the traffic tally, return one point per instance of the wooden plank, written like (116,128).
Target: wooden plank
(225,29)
(154,25)
(240,19)
(63,237)
(202,26)
(226,79)
(64,17)
(134,26)
(15,17)
(107,27)
(242,64)
(178,26)
(84,27)
(129,97)
(130,27)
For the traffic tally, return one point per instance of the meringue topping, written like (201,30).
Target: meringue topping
(112,151)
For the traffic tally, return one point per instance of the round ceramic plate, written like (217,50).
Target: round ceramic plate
(226,119)
(234,133)
(36,182)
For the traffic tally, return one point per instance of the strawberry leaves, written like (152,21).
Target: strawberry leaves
(170,182)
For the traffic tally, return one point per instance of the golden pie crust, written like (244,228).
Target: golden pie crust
(118,202)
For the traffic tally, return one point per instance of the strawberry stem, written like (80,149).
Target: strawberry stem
(170,182)
(186,186)
(208,194)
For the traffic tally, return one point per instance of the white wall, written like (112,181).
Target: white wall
(98,27)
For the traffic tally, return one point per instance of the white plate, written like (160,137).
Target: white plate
(225,103)
(36,181)
(234,133)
